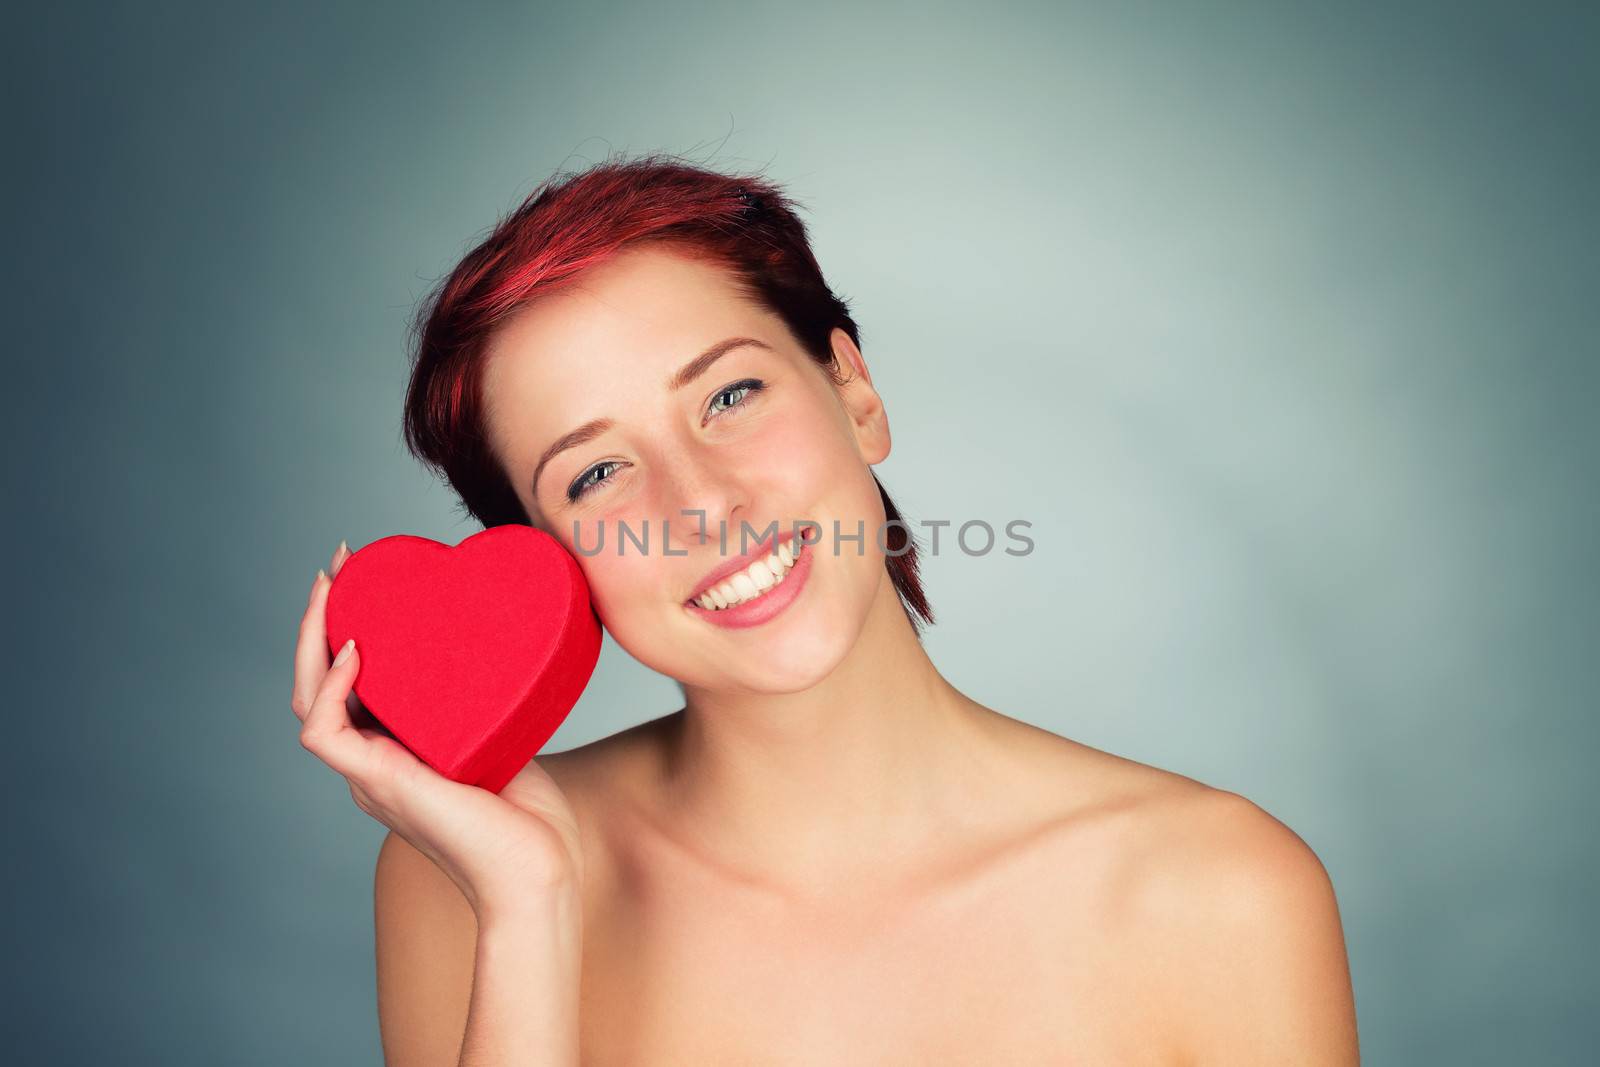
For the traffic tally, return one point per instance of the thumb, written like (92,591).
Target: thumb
(327,731)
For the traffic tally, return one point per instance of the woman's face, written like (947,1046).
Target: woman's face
(755,435)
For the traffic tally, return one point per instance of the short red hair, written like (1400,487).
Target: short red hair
(575,221)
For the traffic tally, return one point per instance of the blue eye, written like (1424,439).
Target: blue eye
(583,484)
(741,391)
(745,389)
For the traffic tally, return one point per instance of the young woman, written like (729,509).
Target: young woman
(829,854)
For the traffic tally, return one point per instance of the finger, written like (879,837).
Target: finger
(340,554)
(311,649)
(327,731)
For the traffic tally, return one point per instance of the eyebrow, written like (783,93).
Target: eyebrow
(684,375)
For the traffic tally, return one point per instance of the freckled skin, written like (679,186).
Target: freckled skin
(793,451)
(830,854)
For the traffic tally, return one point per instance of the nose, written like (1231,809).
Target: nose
(701,496)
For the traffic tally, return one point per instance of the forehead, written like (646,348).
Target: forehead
(640,311)
(608,339)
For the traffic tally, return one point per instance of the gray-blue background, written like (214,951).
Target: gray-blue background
(1278,322)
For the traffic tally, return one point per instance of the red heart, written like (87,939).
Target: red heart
(472,656)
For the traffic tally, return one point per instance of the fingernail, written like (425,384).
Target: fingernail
(344,653)
(321,574)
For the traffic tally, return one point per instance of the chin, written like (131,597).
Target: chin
(775,677)
(787,658)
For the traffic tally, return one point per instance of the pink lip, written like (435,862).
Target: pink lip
(724,571)
(757,611)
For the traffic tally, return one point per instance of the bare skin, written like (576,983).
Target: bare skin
(830,854)
(1109,912)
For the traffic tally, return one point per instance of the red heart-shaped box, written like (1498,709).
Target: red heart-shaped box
(471,656)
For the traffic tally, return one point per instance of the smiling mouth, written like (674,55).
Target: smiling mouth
(755,581)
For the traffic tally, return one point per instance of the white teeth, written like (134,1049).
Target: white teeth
(751,582)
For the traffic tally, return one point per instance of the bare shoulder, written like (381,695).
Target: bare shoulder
(425,936)
(1257,967)
(1186,851)
(1208,869)
(1231,912)
(1180,843)
(1194,855)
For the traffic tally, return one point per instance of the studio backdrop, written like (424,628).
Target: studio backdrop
(1274,323)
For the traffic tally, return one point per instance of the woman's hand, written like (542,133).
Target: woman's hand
(498,848)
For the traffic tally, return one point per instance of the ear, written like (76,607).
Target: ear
(862,404)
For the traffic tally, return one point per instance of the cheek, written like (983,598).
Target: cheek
(616,580)
(810,458)
(635,591)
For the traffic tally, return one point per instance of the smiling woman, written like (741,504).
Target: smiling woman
(829,854)
(744,229)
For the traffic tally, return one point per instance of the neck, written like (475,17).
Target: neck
(806,788)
